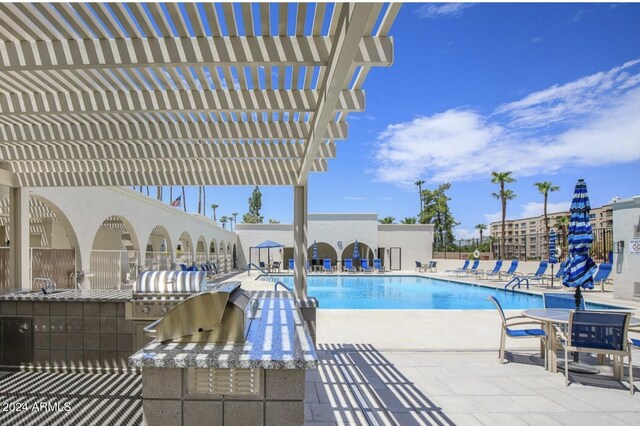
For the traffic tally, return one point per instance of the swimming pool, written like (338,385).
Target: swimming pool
(411,292)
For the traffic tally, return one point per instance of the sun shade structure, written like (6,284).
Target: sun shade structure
(121,94)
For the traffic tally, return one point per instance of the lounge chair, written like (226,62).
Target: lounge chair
(494,271)
(561,301)
(473,269)
(462,269)
(326,265)
(364,266)
(291,264)
(377,265)
(348,265)
(602,275)
(511,272)
(516,333)
(598,332)
(538,276)
(559,273)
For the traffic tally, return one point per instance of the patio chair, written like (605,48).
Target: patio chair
(419,267)
(432,266)
(364,266)
(473,269)
(377,265)
(561,301)
(348,265)
(602,275)
(511,272)
(598,332)
(275,266)
(494,271)
(291,264)
(464,267)
(537,276)
(326,265)
(516,333)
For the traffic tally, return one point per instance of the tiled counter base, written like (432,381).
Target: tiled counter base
(168,401)
(68,333)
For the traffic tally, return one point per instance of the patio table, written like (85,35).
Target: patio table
(553,316)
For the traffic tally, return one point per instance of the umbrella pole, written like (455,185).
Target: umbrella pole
(552,275)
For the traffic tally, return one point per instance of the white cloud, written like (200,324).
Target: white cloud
(536,40)
(596,123)
(536,209)
(466,234)
(441,9)
(348,197)
(494,217)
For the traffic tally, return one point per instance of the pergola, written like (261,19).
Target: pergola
(125,94)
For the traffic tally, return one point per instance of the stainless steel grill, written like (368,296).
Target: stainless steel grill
(215,316)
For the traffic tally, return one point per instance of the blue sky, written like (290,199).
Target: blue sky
(548,91)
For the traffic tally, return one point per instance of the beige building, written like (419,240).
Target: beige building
(525,238)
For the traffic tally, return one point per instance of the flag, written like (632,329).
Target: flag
(176,202)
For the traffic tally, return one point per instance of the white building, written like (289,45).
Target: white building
(626,257)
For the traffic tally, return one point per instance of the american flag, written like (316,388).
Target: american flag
(176,202)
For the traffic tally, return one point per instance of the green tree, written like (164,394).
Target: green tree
(544,188)
(223,221)
(504,195)
(408,221)
(273,221)
(436,211)
(387,220)
(481,227)
(419,184)
(255,204)
(214,207)
(562,225)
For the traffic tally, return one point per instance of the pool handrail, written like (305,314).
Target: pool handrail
(258,268)
(280,283)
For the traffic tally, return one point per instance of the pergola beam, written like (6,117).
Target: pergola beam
(82,131)
(141,149)
(188,51)
(173,101)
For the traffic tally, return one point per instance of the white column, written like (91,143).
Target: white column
(300,239)
(19,239)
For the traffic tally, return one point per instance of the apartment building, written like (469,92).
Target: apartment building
(526,237)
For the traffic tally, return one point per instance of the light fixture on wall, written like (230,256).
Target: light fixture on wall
(340,245)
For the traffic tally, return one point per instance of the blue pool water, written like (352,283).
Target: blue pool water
(411,292)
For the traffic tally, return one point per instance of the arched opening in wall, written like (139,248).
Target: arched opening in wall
(184,249)
(229,256)
(114,254)
(213,252)
(201,251)
(222,257)
(235,257)
(52,240)
(325,251)
(364,251)
(159,248)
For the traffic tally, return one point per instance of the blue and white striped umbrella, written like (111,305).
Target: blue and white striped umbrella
(553,258)
(356,250)
(315,250)
(580,267)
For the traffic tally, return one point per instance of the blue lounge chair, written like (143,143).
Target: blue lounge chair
(509,272)
(494,271)
(326,265)
(538,276)
(516,333)
(561,301)
(597,332)
(463,268)
(377,265)
(364,266)
(291,264)
(559,272)
(348,265)
(473,268)
(602,275)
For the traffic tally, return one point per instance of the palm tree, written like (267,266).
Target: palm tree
(419,184)
(159,193)
(481,227)
(184,199)
(204,200)
(214,207)
(387,220)
(223,221)
(408,220)
(503,195)
(235,217)
(562,224)
(544,188)
(200,199)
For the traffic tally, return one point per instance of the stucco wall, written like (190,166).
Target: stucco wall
(415,241)
(626,266)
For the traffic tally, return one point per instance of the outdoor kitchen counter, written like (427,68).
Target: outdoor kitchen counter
(70,296)
(277,339)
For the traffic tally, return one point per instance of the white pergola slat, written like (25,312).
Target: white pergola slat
(194,94)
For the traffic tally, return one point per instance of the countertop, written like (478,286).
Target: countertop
(70,296)
(277,339)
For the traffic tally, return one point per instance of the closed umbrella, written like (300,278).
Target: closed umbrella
(314,255)
(553,258)
(356,252)
(580,267)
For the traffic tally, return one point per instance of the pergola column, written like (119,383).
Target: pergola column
(19,239)
(300,239)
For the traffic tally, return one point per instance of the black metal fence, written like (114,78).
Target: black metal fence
(529,246)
